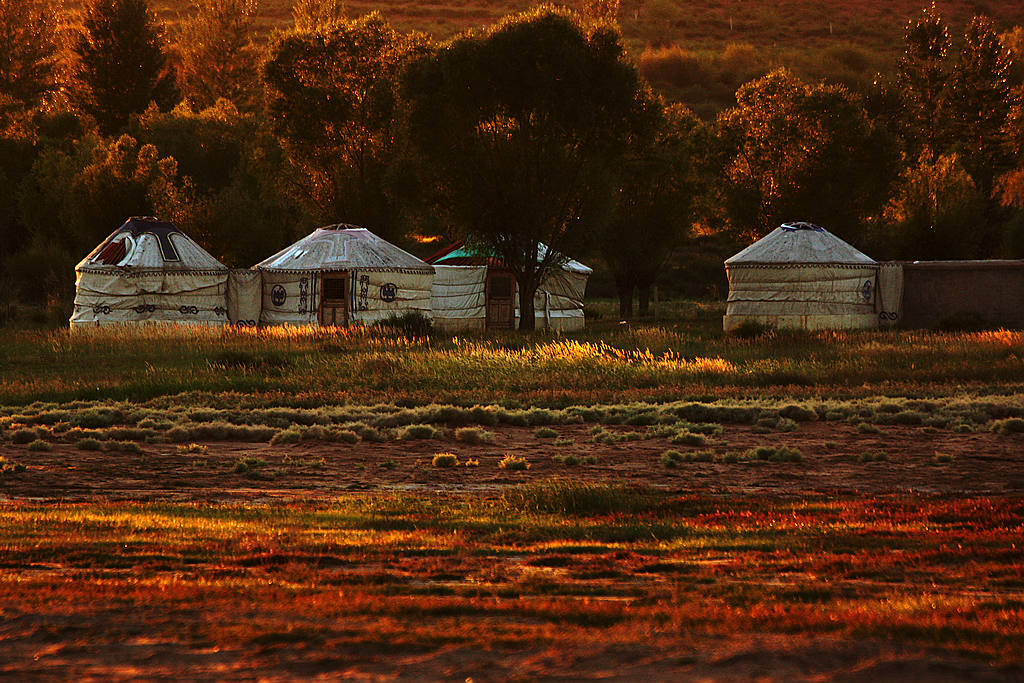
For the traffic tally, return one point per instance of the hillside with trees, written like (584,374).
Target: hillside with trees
(652,154)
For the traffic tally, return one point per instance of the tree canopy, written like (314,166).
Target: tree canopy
(521,128)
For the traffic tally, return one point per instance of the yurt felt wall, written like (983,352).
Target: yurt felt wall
(457,298)
(890,294)
(149,271)
(812,297)
(802,276)
(558,303)
(382,280)
(245,294)
(291,298)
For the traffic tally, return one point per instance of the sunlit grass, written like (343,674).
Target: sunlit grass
(604,364)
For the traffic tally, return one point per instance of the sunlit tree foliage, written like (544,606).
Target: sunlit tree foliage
(334,103)
(521,129)
(28,47)
(122,61)
(218,57)
(793,151)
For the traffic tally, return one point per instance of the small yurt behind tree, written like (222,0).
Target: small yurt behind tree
(802,276)
(343,274)
(149,271)
(474,289)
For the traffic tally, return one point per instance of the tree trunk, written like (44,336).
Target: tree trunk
(644,292)
(624,287)
(527,316)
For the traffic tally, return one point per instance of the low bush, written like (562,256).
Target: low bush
(445,460)
(473,435)
(513,462)
(775,454)
(868,428)
(286,436)
(248,464)
(413,432)
(1011,425)
(89,445)
(570,460)
(23,436)
(689,439)
(798,413)
(671,458)
(124,446)
(545,433)
(39,445)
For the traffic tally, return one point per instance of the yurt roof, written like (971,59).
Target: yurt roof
(461,254)
(145,244)
(343,247)
(799,243)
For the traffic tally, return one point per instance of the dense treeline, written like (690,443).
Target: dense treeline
(539,128)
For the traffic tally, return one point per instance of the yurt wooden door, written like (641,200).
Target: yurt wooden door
(501,288)
(334,299)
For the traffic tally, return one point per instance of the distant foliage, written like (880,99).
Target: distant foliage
(218,56)
(28,49)
(122,62)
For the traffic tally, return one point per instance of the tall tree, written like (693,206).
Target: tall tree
(28,47)
(934,213)
(660,177)
(922,72)
(218,57)
(521,128)
(794,151)
(334,103)
(979,102)
(121,52)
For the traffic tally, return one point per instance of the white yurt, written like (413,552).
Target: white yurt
(342,274)
(149,271)
(802,276)
(475,290)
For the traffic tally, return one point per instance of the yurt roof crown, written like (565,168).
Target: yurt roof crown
(344,247)
(799,243)
(144,243)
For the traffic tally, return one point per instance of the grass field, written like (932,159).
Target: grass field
(644,502)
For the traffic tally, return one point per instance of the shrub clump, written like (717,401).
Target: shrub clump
(798,413)
(39,445)
(689,439)
(1011,425)
(412,432)
(474,435)
(125,446)
(285,436)
(89,445)
(445,460)
(513,462)
(545,433)
(23,436)
(775,454)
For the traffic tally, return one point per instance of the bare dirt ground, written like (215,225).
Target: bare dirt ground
(981,463)
(56,634)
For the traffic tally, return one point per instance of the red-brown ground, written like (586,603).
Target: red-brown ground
(982,463)
(273,605)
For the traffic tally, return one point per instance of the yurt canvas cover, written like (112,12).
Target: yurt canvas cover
(802,276)
(558,303)
(148,270)
(341,274)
